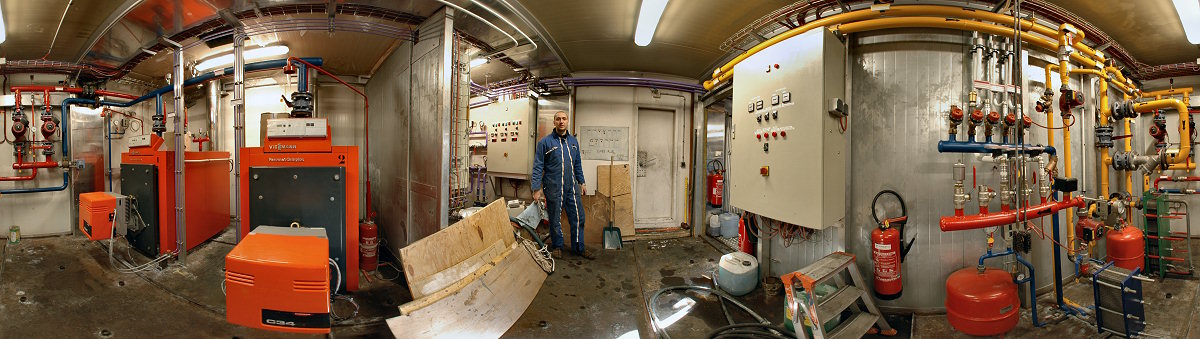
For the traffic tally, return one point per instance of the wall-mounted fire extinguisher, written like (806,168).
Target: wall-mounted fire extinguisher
(716,182)
(888,250)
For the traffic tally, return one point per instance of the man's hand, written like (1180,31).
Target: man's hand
(582,189)
(539,196)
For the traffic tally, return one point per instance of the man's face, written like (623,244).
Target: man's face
(560,121)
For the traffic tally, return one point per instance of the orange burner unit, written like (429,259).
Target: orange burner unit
(277,279)
(148,179)
(298,178)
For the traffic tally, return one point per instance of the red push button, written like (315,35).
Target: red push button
(759,136)
(783,134)
(775,134)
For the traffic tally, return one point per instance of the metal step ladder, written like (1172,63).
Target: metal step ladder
(803,303)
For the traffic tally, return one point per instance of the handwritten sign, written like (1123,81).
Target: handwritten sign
(603,142)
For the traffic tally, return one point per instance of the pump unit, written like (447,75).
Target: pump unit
(148,178)
(787,159)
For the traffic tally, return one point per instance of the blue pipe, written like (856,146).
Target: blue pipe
(1058,286)
(205,77)
(991,148)
(302,75)
(1030,280)
(66,109)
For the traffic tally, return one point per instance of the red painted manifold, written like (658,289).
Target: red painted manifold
(960,223)
(982,304)
(1126,247)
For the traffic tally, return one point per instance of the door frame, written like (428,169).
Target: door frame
(678,148)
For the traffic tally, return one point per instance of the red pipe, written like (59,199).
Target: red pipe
(31,176)
(366,125)
(1175,179)
(35,165)
(73,90)
(960,223)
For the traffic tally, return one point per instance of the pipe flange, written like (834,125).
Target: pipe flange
(1104,136)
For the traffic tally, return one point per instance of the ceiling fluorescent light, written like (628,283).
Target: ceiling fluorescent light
(648,18)
(253,54)
(1189,15)
(478,61)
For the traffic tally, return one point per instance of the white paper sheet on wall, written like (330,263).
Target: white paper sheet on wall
(604,143)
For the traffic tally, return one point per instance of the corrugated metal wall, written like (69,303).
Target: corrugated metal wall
(903,84)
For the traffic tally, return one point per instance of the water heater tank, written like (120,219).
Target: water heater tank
(982,304)
(1126,247)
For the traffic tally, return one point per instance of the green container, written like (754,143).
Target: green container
(14,235)
(823,290)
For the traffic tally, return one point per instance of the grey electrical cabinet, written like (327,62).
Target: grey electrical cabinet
(788,154)
(510,137)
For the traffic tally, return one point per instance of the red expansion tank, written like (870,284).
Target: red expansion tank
(982,304)
(1126,247)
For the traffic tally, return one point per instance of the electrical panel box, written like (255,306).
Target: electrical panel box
(510,137)
(788,155)
(297,128)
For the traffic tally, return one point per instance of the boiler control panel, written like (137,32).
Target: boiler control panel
(510,136)
(297,128)
(787,158)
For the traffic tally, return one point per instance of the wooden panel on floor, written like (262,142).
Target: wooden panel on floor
(485,308)
(457,243)
(437,281)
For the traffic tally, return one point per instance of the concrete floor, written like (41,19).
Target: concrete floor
(63,287)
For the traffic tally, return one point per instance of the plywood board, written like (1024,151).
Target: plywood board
(620,180)
(597,216)
(443,279)
(485,308)
(457,243)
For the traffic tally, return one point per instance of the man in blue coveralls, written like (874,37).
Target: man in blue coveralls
(558,180)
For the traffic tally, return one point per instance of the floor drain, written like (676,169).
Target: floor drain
(120,283)
(105,333)
(543,324)
(1169,296)
(61,267)
(23,299)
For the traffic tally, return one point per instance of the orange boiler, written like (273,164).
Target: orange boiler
(298,178)
(148,179)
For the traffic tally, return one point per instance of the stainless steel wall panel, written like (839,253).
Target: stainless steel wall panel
(390,115)
(903,83)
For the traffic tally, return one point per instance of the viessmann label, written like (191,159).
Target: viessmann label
(285,159)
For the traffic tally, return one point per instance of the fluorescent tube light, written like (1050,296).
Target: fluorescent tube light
(253,54)
(1189,14)
(648,18)
(478,61)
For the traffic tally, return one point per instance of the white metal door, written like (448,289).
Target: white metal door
(654,175)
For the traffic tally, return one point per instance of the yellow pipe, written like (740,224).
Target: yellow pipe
(1128,148)
(1185,92)
(965,25)
(726,71)
(1185,142)
(1064,75)
(1050,110)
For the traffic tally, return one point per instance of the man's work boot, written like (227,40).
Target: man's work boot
(587,254)
(557,253)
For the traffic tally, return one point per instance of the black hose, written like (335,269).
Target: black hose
(751,330)
(903,209)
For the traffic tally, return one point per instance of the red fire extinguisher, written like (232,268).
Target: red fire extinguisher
(716,183)
(368,246)
(888,250)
